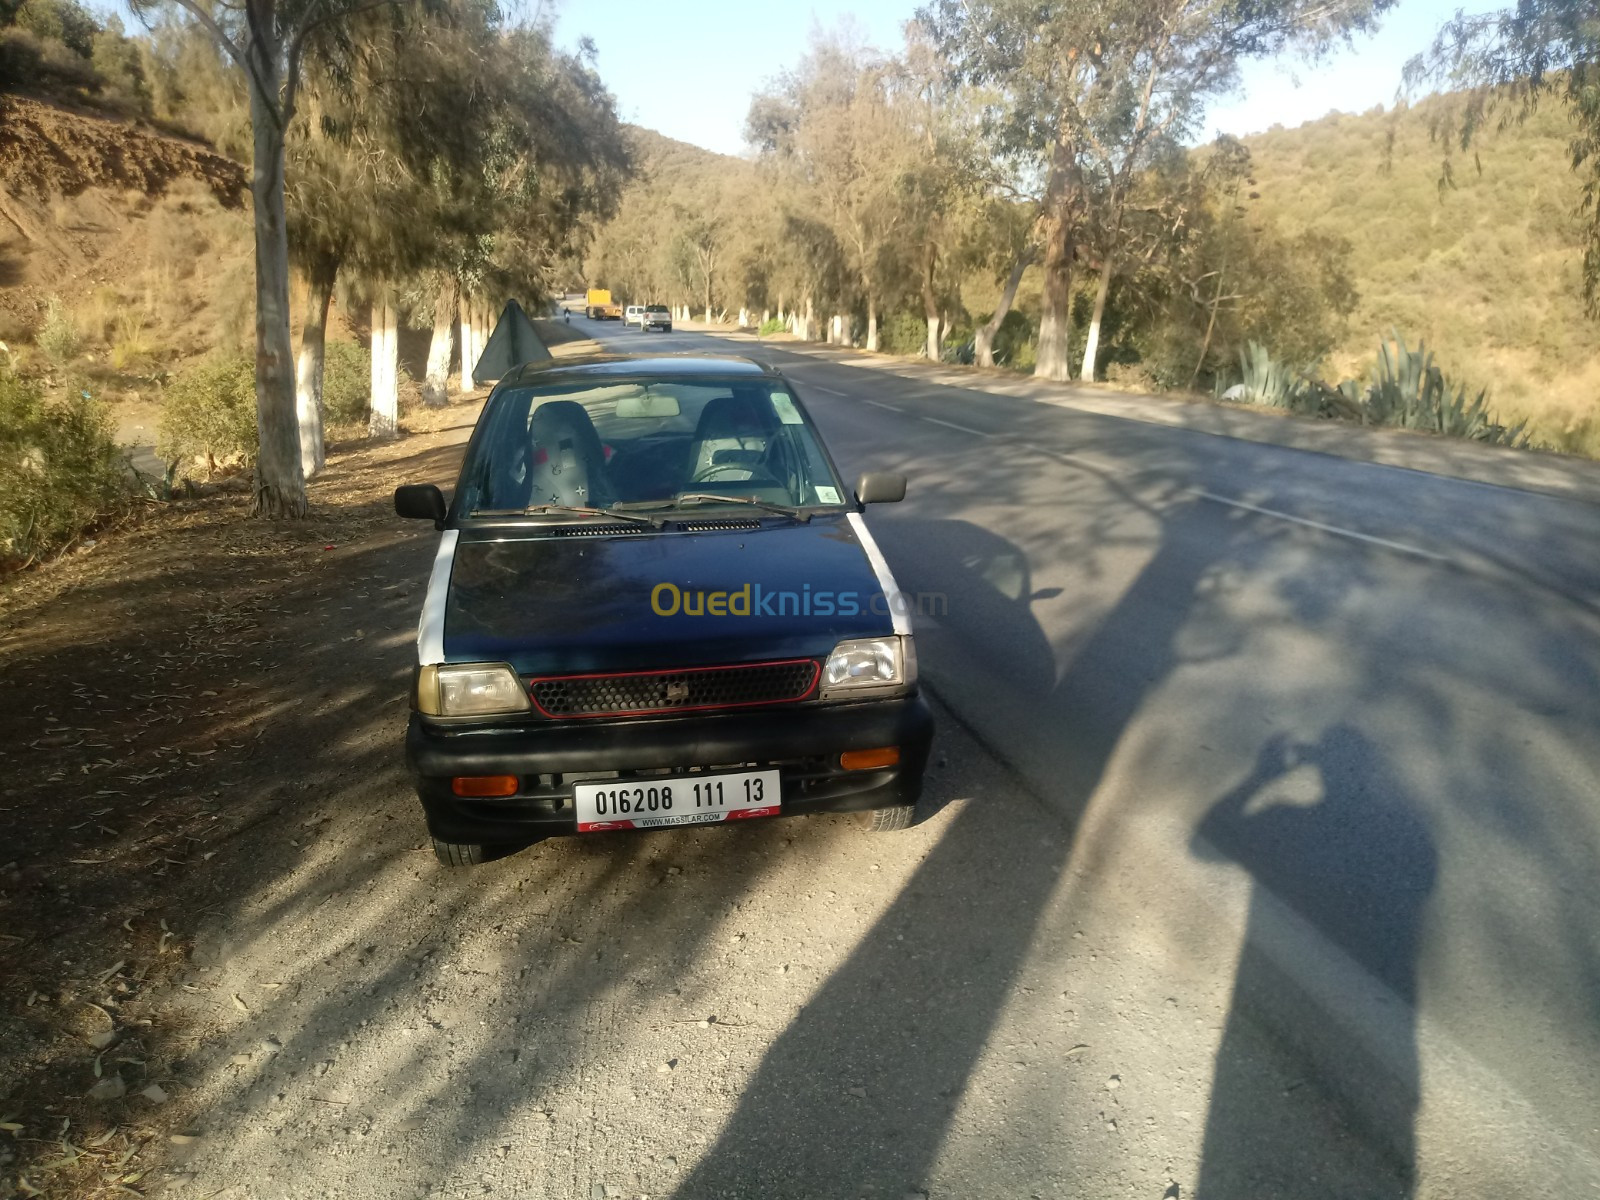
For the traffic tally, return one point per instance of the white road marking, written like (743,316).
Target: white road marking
(819,388)
(1336,530)
(953,425)
(886,407)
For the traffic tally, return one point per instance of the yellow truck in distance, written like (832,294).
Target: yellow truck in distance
(598,306)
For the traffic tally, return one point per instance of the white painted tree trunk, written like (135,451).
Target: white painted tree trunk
(744,317)
(934,340)
(766,315)
(385,419)
(308,373)
(872,322)
(436,386)
(1091,348)
(469,356)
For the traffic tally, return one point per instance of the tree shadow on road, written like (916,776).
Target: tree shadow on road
(1326,828)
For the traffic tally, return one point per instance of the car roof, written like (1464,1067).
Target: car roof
(612,367)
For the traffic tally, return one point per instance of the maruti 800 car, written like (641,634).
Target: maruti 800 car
(654,603)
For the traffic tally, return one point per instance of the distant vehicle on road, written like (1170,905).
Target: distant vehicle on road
(598,306)
(655,316)
(655,603)
(632,314)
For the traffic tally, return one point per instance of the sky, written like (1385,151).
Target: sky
(688,67)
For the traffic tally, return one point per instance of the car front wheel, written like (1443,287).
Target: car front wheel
(887,820)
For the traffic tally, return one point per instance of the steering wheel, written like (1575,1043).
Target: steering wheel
(724,473)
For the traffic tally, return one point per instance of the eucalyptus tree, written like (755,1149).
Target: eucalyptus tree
(268,42)
(1089,90)
(1509,62)
(839,128)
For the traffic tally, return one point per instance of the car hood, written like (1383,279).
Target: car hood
(566,604)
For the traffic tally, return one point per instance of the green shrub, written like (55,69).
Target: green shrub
(57,338)
(63,21)
(1015,336)
(346,383)
(904,333)
(210,411)
(60,470)
(774,325)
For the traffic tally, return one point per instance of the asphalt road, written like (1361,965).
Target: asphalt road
(1370,694)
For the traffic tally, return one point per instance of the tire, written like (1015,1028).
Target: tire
(887,820)
(454,854)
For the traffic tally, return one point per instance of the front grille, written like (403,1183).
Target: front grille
(692,689)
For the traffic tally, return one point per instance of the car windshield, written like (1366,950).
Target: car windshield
(656,308)
(702,444)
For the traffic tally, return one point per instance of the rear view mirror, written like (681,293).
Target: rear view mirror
(420,501)
(647,404)
(880,487)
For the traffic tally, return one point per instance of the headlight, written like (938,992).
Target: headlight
(470,690)
(867,666)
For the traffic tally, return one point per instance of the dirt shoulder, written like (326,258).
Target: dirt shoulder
(167,692)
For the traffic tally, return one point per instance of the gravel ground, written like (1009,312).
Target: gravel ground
(798,1008)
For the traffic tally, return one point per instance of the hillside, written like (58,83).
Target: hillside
(1487,271)
(137,242)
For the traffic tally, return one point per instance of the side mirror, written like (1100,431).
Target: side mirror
(880,487)
(421,501)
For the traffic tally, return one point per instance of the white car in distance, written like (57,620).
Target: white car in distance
(633,315)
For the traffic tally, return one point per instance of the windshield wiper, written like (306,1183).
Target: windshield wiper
(537,510)
(782,510)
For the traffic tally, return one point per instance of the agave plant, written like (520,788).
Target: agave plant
(1277,385)
(1408,390)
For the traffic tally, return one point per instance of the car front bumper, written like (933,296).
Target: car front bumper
(802,743)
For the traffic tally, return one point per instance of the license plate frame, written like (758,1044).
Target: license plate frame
(659,802)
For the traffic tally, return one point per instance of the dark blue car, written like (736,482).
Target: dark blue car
(655,603)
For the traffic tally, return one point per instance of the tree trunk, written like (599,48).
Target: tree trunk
(872,321)
(436,387)
(469,354)
(1211,325)
(308,376)
(385,420)
(983,340)
(1055,323)
(1091,347)
(930,302)
(280,484)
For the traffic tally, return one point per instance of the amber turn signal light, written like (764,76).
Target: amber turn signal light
(869,760)
(484,785)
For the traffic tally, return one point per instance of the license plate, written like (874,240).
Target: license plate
(690,800)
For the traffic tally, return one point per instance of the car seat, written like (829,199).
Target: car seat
(567,463)
(731,442)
